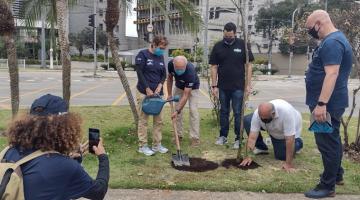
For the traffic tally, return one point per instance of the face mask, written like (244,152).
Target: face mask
(229,41)
(266,121)
(179,72)
(314,33)
(159,52)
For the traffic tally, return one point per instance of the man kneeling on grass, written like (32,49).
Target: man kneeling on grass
(283,123)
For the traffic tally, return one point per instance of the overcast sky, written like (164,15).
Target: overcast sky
(130,26)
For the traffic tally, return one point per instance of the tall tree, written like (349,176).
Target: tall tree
(7,30)
(111,20)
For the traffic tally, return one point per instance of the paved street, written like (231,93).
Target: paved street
(89,91)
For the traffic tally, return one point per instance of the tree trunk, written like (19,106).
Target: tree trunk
(346,134)
(114,51)
(13,72)
(62,9)
(357,140)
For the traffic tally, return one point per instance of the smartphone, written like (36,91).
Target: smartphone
(94,138)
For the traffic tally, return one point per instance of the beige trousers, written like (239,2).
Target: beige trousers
(143,124)
(194,114)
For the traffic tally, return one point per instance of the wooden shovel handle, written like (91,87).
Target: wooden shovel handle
(173,120)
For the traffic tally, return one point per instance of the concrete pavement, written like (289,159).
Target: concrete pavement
(135,194)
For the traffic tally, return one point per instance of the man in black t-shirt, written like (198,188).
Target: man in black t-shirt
(227,62)
(187,86)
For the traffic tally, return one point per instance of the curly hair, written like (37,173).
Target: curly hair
(61,133)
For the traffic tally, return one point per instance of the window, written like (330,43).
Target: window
(250,18)
(249,27)
(101,12)
(101,27)
(101,1)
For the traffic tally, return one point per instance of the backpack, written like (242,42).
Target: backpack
(11,179)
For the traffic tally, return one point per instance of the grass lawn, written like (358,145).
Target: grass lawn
(130,169)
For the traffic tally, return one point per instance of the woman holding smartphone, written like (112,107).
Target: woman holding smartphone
(54,175)
(151,72)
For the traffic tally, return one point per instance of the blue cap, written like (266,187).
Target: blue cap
(50,104)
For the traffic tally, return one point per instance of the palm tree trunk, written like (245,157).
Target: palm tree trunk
(62,9)
(114,51)
(13,72)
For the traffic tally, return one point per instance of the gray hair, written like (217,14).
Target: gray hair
(180,59)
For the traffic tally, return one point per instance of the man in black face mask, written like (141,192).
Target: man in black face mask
(327,92)
(283,123)
(227,62)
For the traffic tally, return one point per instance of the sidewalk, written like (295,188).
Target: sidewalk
(134,194)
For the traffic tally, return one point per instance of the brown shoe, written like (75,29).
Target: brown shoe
(195,142)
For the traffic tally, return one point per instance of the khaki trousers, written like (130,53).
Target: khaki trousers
(143,124)
(194,114)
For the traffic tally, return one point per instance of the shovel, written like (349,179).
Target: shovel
(178,159)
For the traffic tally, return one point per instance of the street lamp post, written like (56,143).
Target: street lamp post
(291,41)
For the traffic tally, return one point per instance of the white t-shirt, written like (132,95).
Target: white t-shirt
(287,121)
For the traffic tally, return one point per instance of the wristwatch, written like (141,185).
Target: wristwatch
(178,111)
(320,103)
(214,86)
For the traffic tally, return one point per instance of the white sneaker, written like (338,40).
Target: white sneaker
(236,144)
(159,148)
(257,151)
(146,150)
(221,140)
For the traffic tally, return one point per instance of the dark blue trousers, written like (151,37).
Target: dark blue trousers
(330,147)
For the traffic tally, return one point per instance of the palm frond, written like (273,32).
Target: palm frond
(190,15)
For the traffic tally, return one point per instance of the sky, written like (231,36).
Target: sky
(130,26)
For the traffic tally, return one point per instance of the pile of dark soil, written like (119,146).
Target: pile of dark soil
(233,163)
(197,165)
(353,152)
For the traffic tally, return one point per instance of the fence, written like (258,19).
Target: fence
(5,64)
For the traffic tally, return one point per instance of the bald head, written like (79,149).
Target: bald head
(321,22)
(266,110)
(180,62)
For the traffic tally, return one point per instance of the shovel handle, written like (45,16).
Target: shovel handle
(175,128)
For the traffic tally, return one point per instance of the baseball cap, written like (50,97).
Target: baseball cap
(50,105)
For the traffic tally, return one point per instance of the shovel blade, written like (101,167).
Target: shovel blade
(180,160)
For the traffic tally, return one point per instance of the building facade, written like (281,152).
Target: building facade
(79,19)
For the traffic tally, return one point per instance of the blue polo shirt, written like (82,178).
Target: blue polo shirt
(150,69)
(52,176)
(189,79)
(333,50)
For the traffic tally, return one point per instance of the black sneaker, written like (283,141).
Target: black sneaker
(320,192)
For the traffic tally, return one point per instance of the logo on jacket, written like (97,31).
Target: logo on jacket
(237,50)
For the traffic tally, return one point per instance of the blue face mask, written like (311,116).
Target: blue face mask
(179,72)
(159,52)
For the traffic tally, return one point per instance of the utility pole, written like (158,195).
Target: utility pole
(94,30)
(326,5)
(291,41)
(167,28)
(270,45)
(206,46)
(43,48)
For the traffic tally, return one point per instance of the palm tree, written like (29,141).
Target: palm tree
(56,13)
(7,30)
(111,20)
(191,19)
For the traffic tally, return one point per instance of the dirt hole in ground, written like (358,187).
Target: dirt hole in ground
(233,163)
(197,165)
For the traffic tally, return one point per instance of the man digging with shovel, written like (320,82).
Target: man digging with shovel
(187,86)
